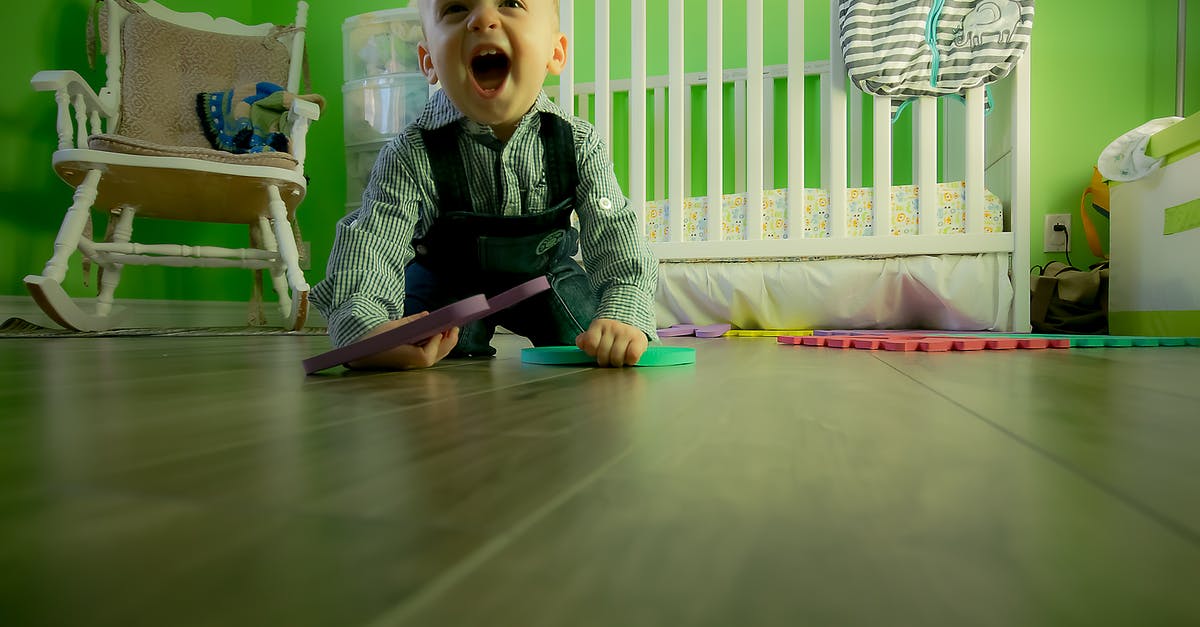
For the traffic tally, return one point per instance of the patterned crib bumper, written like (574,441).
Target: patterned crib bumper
(951,214)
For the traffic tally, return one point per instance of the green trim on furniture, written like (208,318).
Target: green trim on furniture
(1182,153)
(1175,138)
(1173,323)
(1181,218)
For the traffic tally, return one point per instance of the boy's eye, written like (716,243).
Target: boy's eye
(511,4)
(453,8)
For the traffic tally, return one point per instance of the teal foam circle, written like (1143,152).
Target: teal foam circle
(572,356)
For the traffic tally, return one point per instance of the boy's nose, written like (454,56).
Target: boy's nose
(486,17)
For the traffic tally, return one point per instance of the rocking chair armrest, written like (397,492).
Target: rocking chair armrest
(303,113)
(305,109)
(74,85)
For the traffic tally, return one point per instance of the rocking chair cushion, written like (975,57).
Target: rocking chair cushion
(116,143)
(165,65)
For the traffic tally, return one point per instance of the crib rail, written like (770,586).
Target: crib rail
(841,155)
(668,151)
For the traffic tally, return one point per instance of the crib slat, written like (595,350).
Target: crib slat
(675,179)
(660,143)
(855,154)
(1019,205)
(824,120)
(974,152)
(637,110)
(768,150)
(754,123)
(603,66)
(566,80)
(836,106)
(584,106)
(739,135)
(882,165)
(687,138)
(716,101)
(795,122)
(925,124)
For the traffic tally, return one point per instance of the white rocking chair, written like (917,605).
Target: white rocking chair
(155,161)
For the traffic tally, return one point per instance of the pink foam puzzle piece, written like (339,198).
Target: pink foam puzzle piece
(812,340)
(713,330)
(1037,343)
(453,315)
(1002,343)
(677,330)
(839,341)
(789,339)
(899,343)
(866,343)
(968,343)
(935,345)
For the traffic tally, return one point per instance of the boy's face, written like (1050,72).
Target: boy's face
(491,56)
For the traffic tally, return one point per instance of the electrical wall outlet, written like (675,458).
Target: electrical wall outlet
(1056,241)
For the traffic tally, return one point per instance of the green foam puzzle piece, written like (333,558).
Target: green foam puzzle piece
(572,356)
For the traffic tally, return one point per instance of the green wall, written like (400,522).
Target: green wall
(52,37)
(1096,74)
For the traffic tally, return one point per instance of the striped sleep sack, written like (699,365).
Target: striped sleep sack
(903,49)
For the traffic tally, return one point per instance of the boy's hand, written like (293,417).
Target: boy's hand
(409,356)
(612,343)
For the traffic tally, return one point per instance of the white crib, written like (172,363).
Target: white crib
(832,268)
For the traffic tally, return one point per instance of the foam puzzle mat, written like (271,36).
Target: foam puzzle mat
(767,332)
(939,341)
(725,330)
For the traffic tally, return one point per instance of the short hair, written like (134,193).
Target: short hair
(422,4)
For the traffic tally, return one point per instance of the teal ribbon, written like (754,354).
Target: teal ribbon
(935,14)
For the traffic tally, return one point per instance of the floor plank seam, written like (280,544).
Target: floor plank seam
(324,426)
(1185,532)
(77,489)
(448,578)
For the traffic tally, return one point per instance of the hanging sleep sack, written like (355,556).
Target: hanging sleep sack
(903,49)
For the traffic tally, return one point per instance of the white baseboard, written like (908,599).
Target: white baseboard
(161,313)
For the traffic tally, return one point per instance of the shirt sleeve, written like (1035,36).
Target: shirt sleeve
(622,270)
(364,280)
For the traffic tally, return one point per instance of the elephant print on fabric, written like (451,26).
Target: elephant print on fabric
(992,17)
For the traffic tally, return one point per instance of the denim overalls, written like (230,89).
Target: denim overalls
(465,253)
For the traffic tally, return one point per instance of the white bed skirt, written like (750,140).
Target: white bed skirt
(950,292)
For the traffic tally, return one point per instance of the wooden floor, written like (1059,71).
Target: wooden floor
(206,481)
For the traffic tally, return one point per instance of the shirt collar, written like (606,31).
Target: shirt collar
(439,112)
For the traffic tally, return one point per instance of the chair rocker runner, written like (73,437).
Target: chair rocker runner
(138,149)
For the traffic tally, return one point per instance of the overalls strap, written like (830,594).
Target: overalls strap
(449,172)
(562,171)
(465,240)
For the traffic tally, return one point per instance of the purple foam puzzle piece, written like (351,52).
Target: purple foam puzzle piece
(453,315)
(677,330)
(514,295)
(713,330)
(437,321)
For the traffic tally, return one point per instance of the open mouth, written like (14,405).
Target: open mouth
(489,68)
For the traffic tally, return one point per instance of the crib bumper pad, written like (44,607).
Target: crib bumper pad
(814,219)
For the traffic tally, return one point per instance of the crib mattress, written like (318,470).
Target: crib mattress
(951,214)
(950,292)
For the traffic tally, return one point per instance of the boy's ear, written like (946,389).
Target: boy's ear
(558,59)
(426,63)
